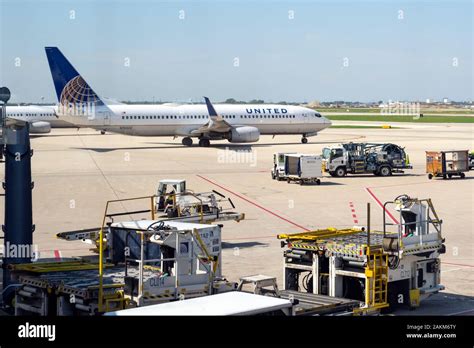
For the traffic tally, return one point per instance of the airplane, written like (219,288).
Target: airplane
(40,118)
(80,105)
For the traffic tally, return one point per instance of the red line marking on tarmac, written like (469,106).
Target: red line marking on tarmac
(253,203)
(354,215)
(57,255)
(457,264)
(381,205)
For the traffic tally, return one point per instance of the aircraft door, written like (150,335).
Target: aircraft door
(107,116)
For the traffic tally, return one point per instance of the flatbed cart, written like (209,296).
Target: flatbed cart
(447,164)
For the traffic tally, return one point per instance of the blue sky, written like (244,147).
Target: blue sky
(330,50)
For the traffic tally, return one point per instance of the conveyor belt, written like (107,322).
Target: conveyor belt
(313,304)
(93,233)
(350,244)
(82,282)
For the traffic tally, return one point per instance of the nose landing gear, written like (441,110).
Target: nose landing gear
(304,140)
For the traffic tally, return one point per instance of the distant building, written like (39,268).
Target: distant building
(314,104)
(428,100)
(445,101)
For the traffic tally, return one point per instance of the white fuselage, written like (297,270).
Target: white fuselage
(181,120)
(35,113)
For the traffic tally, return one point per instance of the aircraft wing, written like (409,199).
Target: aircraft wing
(216,122)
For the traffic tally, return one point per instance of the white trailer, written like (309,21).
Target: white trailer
(303,168)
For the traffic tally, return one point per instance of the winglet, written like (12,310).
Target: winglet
(210,108)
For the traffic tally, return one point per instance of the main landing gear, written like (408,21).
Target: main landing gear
(204,142)
(187,141)
(304,140)
(102,131)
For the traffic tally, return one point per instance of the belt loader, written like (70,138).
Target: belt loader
(146,262)
(140,262)
(380,268)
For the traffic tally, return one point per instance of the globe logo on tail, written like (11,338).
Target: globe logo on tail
(77,98)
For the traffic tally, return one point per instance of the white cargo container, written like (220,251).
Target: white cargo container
(303,168)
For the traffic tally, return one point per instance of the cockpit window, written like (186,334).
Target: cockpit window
(317,114)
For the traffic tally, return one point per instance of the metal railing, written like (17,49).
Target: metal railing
(425,204)
(199,207)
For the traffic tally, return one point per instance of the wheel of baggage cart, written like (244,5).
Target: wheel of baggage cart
(430,176)
(318,182)
(444,176)
(301,182)
(288,180)
(462,175)
(450,176)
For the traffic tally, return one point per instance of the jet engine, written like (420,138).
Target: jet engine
(244,134)
(40,127)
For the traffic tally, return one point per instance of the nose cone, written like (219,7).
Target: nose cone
(327,122)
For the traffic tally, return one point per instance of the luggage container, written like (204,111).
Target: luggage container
(303,169)
(447,164)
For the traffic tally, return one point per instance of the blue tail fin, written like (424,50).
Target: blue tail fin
(70,87)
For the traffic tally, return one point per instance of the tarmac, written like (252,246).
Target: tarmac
(77,171)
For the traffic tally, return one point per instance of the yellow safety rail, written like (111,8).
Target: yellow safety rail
(209,257)
(319,234)
(376,281)
(57,266)
(101,241)
(174,196)
(152,209)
